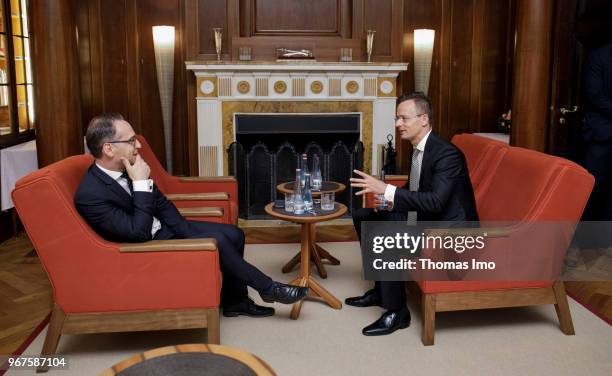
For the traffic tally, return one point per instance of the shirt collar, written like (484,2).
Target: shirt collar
(421,145)
(113,174)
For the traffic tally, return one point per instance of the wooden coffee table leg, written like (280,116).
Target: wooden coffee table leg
(324,254)
(314,255)
(304,268)
(323,293)
(292,263)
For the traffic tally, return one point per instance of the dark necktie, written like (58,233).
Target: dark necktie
(129,181)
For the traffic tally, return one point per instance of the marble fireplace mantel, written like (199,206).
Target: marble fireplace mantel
(227,88)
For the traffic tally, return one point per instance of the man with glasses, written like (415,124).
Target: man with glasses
(439,189)
(122,204)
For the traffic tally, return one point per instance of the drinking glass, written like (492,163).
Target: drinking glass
(289,202)
(327,201)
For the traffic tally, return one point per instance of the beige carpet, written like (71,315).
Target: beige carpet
(323,341)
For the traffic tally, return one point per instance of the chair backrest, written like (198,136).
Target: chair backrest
(483,155)
(531,186)
(158,172)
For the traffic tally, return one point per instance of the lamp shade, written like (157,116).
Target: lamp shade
(163,44)
(423,52)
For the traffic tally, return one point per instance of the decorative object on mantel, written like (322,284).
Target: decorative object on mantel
(423,52)
(370,44)
(280,87)
(218,38)
(244,53)
(163,45)
(284,54)
(316,87)
(243,87)
(505,122)
(346,54)
(352,87)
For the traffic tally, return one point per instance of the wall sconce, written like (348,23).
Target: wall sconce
(423,52)
(163,43)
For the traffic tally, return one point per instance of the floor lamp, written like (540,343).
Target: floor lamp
(423,52)
(163,43)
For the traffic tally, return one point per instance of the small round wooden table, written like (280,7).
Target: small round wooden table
(318,253)
(192,359)
(307,248)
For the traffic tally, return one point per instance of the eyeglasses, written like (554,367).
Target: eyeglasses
(131,141)
(404,119)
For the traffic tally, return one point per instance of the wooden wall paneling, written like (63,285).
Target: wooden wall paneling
(133,66)
(113,46)
(85,60)
(378,14)
(296,17)
(56,93)
(358,27)
(532,69)
(476,64)
(346,17)
(459,88)
(210,14)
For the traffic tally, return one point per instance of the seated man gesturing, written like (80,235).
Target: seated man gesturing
(122,204)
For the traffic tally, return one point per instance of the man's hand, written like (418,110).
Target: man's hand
(368,183)
(140,170)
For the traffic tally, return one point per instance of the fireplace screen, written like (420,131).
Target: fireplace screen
(268,149)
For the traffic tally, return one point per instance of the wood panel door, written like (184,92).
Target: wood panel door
(580,25)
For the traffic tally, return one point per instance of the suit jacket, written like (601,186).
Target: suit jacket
(119,217)
(445,191)
(598,93)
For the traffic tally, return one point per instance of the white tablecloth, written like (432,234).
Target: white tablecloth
(496,136)
(15,162)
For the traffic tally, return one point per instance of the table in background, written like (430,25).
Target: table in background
(192,359)
(307,249)
(15,162)
(318,253)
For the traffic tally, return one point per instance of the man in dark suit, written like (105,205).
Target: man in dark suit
(122,204)
(439,189)
(597,132)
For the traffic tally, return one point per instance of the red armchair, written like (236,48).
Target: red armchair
(514,184)
(100,286)
(191,194)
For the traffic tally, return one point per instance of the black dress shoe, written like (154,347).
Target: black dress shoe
(370,298)
(282,293)
(389,322)
(247,307)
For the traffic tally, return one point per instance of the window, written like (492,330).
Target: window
(16,90)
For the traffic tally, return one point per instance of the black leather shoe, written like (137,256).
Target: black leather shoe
(282,293)
(370,298)
(247,307)
(389,322)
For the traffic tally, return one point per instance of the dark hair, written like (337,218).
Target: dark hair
(422,103)
(100,130)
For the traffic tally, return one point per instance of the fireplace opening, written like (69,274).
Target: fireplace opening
(268,149)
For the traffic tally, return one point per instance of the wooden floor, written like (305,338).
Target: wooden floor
(26,297)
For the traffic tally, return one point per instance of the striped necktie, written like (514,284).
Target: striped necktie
(413,183)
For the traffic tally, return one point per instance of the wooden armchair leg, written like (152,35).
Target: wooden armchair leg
(212,318)
(56,324)
(563,312)
(429,319)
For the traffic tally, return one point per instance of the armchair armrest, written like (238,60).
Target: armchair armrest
(172,245)
(204,179)
(201,212)
(202,196)
(492,232)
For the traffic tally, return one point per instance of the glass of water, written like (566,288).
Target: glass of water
(382,206)
(327,201)
(289,202)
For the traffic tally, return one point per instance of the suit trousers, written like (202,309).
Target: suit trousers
(392,293)
(237,273)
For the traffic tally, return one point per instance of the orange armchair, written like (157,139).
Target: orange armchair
(190,194)
(100,286)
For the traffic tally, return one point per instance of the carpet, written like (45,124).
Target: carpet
(323,341)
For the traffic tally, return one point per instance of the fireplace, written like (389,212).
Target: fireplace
(268,147)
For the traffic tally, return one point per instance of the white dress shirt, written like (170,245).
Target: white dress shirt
(390,189)
(137,186)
